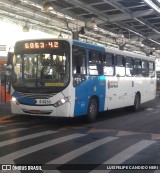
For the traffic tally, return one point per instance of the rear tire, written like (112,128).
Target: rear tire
(92,110)
(137,103)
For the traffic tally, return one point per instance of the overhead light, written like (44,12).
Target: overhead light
(152,5)
(120,33)
(139,42)
(24,1)
(25,28)
(93,24)
(47,7)
(60,35)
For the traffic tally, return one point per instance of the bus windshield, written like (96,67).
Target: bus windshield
(41,72)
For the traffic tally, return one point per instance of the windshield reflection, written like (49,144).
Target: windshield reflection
(40,70)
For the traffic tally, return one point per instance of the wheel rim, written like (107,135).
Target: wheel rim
(93,109)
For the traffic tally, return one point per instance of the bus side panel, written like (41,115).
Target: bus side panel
(93,86)
(148,92)
(81,99)
(97,87)
(120,92)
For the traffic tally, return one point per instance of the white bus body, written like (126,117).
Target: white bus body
(94,78)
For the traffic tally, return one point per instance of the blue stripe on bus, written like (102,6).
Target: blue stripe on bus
(93,86)
(89,46)
(23,100)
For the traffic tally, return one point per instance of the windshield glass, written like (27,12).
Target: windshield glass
(41,72)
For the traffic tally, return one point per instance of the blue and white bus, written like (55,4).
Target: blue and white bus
(70,78)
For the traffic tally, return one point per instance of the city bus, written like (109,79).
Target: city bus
(70,78)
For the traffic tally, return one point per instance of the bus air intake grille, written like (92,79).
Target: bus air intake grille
(37,96)
(37,111)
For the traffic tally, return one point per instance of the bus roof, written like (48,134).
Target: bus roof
(129,54)
(89,45)
(113,50)
(98,47)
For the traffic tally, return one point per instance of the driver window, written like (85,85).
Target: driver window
(79,60)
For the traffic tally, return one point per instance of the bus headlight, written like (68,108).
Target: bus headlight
(61,102)
(14,100)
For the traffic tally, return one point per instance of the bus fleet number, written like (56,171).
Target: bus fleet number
(43,101)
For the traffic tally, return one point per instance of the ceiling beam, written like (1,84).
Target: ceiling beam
(91,9)
(116,18)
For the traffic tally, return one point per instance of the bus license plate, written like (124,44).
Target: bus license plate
(43,101)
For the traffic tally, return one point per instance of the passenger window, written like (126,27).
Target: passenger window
(108,64)
(137,67)
(95,63)
(151,69)
(120,68)
(129,66)
(145,69)
(79,60)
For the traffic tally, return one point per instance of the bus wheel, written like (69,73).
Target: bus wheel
(92,110)
(137,103)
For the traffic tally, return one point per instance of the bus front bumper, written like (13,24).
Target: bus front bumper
(61,111)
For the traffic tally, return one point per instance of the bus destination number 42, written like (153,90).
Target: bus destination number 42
(41,45)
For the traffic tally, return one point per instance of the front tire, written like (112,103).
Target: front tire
(92,110)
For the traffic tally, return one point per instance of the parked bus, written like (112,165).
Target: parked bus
(70,78)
